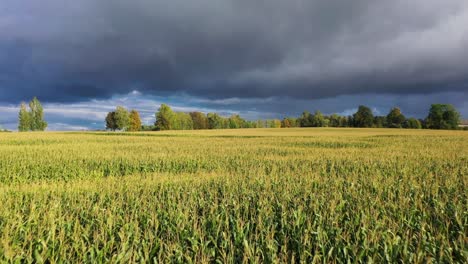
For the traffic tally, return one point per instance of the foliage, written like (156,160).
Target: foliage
(135,121)
(181,121)
(443,116)
(318,120)
(199,119)
(32,120)
(412,123)
(305,120)
(289,122)
(122,118)
(395,118)
(275,123)
(37,115)
(24,119)
(215,121)
(363,117)
(110,121)
(164,117)
(235,196)
(334,120)
(235,121)
(380,121)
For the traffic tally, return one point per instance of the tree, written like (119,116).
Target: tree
(363,117)
(380,121)
(335,120)
(135,121)
(443,116)
(24,119)
(235,121)
(317,120)
(200,121)
(215,121)
(261,123)
(395,118)
(110,121)
(412,123)
(122,118)
(181,121)
(276,123)
(164,117)
(37,115)
(305,120)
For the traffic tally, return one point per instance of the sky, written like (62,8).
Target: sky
(258,58)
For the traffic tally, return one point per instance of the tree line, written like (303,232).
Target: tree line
(440,116)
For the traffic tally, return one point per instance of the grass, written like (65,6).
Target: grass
(259,195)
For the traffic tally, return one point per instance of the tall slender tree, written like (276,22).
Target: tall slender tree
(24,118)
(37,115)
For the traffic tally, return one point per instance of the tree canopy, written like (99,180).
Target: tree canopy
(443,116)
(135,121)
(164,117)
(32,119)
(121,119)
(363,117)
(395,118)
(440,117)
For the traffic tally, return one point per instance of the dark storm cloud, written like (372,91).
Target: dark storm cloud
(303,49)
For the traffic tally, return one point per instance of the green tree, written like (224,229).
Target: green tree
(37,115)
(135,121)
(443,116)
(317,119)
(335,120)
(24,119)
(181,121)
(380,121)
(305,120)
(260,123)
(199,119)
(412,123)
(122,118)
(164,118)
(395,118)
(110,121)
(343,121)
(276,123)
(363,117)
(235,121)
(215,121)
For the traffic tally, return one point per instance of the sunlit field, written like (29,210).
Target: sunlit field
(244,196)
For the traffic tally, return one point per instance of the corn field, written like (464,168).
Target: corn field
(235,196)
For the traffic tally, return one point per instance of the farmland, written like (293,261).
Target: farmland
(252,195)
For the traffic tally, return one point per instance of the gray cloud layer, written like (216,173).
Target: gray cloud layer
(73,50)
